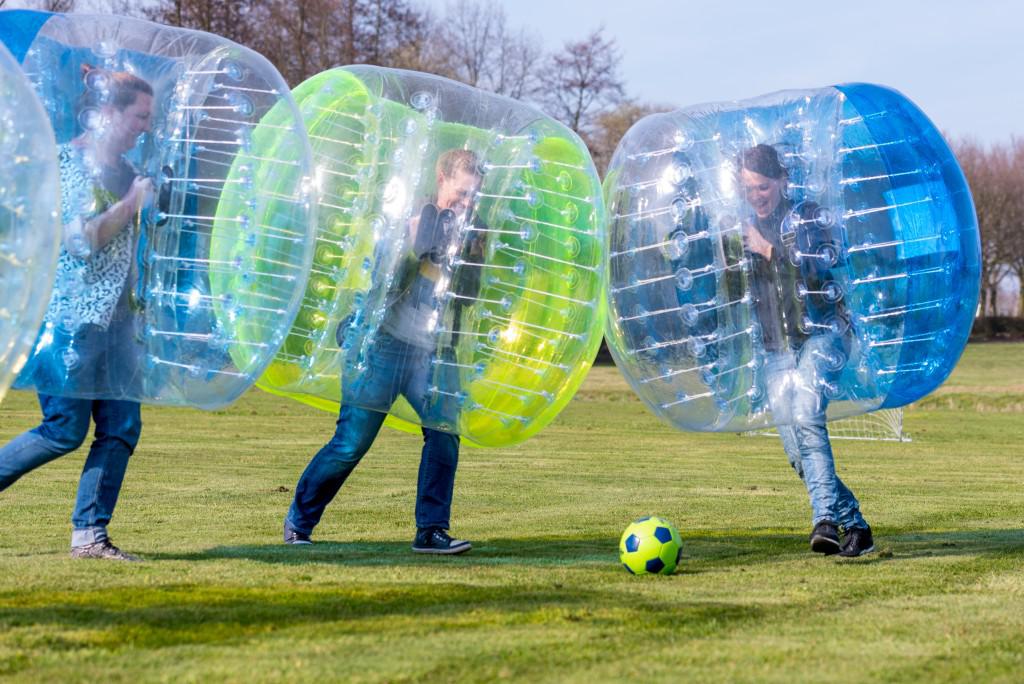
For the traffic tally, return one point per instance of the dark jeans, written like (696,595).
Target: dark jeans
(394,368)
(65,426)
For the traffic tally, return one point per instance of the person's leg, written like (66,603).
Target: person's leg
(820,365)
(848,508)
(819,472)
(425,387)
(820,481)
(821,362)
(440,455)
(434,489)
(440,382)
(65,426)
(118,428)
(357,427)
(327,472)
(780,371)
(436,482)
(787,433)
(809,402)
(798,410)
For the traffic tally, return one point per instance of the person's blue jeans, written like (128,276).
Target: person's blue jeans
(797,394)
(393,368)
(65,426)
(91,362)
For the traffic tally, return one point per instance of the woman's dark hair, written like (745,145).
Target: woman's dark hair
(762,159)
(117,88)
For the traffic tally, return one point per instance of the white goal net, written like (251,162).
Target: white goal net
(885,425)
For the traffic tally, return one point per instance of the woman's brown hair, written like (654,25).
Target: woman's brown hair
(762,159)
(116,88)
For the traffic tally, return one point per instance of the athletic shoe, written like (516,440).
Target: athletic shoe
(293,536)
(825,538)
(437,540)
(102,549)
(858,542)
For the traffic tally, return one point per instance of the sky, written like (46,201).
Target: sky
(960,61)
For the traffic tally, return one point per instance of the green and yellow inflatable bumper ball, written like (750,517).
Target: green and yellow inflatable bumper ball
(459,259)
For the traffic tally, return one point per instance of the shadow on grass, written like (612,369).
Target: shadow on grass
(535,552)
(701,553)
(498,552)
(998,543)
(156,617)
(148,617)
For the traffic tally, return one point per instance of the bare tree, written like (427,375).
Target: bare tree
(581,82)
(64,6)
(473,43)
(231,19)
(304,37)
(516,63)
(301,37)
(418,50)
(124,8)
(385,29)
(1014,227)
(611,125)
(989,173)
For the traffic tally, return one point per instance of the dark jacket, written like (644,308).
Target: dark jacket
(786,289)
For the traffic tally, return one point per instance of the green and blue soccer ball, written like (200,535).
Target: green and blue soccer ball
(650,546)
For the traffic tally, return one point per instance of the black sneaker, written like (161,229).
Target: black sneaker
(293,536)
(102,549)
(858,542)
(825,538)
(437,540)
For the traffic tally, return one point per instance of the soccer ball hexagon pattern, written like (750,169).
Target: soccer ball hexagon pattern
(650,546)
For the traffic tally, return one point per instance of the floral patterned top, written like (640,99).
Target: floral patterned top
(89,283)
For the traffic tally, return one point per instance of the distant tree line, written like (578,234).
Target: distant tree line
(995,174)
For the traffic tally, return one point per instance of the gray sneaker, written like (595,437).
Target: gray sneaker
(293,536)
(102,549)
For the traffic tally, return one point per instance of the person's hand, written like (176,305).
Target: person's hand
(755,242)
(141,194)
(477,246)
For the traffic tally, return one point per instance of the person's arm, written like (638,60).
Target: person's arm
(433,233)
(104,227)
(83,238)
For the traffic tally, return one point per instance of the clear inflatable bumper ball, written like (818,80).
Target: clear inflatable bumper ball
(459,263)
(183,160)
(803,255)
(29,227)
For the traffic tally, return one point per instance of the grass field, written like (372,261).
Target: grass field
(541,597)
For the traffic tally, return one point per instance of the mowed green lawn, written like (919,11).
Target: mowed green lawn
(541,597)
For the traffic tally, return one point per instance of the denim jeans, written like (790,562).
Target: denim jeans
(65,426)
(797,384)
(393,368)
(91,362)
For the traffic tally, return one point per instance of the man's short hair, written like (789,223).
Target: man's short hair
(458,160)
